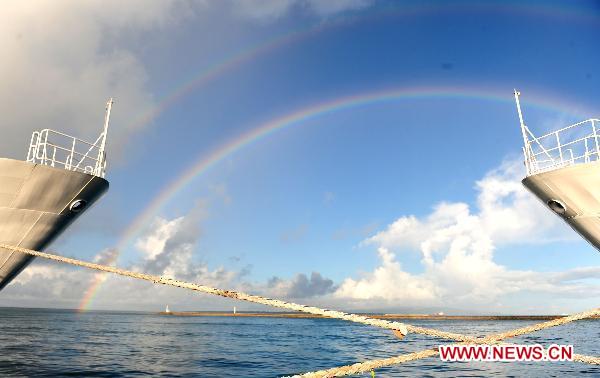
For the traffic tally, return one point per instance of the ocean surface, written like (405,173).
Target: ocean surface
(39,342)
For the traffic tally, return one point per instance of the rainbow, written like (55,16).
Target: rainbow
(236,60)
(262,131)
(97,281)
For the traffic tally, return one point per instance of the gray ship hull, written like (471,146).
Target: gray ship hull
(36,205)
(577,189)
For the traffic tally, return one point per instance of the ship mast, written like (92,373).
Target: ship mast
(101,152)
(523,127)
(524,131)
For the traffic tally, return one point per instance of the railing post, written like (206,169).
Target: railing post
(586,157)
(53,155)
(572,160)
(530,163)
(70,158)
(44,149)
(527,169)
(33,147)
(597,152)
(559,148)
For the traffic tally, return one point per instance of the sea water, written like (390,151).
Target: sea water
(41,342)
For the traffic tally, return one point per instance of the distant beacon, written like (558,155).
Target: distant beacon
(167,309)
(40,197)
(563,171)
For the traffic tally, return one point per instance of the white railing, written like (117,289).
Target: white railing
(56,149)
(575,144)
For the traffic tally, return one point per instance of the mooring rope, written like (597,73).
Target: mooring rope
(366,366)
(586,359)
(537,327)
(342,370)
(363,367)
(401,327)
(381,323)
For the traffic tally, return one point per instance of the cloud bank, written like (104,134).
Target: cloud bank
(300,286)
(457,243)
(62,60)
(170,248)
(166,248)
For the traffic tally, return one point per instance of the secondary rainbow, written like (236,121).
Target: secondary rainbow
(236,60)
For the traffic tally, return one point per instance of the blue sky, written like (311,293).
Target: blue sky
(321,195)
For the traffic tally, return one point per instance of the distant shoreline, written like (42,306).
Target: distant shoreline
(377,316)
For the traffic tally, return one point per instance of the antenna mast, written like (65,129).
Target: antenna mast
(523,127)
(101,152)
(107,120)
(524,130)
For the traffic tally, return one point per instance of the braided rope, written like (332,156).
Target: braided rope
(362,367)
(381,323)
(401,327)
(441,334)
(366,366)
(586,359)
(343,370)
(539,326)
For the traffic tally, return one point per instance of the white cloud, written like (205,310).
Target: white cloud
(299,287)
(153,243)
(389,282)
(457,248)
(507,213)
(168,248)
(61,61)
